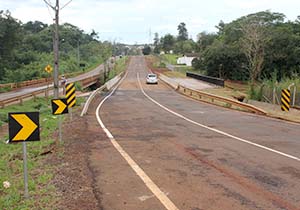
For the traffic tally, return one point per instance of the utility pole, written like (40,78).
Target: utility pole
(56,51)
(78,54)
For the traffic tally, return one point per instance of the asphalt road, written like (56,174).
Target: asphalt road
(31,89)
(166,151)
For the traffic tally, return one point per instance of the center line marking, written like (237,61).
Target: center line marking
(161,196)
(213,129)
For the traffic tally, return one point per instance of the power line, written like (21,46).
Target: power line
(49,4)
(66,4)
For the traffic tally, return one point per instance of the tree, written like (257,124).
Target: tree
(182,32)
(167,42)
(205,40)
(253,44)
(146,50)
(34,27)
(156,43)
(255,38)
(10,38)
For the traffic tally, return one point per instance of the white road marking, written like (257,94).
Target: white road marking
(169,205)
(215,130)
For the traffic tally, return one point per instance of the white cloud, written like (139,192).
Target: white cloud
(130,20)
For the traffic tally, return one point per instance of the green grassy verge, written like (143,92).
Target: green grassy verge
(119,67)
(5,89)
(41,191)
(170,58)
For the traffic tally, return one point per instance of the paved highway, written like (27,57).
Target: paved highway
(166,151)
(31,89)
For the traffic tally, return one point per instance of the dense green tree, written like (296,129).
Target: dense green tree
(10,38)
(34,27)
(182,32)
(25,49)
(204,40)
(156,43)
(182,47)
(146,50)
(167,42)
(252,47)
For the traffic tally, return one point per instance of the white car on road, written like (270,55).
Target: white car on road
(151,79)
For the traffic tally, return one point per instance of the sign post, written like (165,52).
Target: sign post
(26,194)
(48,69)
(24,126)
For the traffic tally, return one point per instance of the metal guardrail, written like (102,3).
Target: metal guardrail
(20,99)
(210,98)
(33,82)
(219,100)
(213,80)
(108,85)
(25,83)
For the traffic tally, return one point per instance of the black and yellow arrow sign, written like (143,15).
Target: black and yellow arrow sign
(70,95)
(23,126)
(285,100)
(59,106)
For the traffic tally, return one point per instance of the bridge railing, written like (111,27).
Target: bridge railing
(45,91)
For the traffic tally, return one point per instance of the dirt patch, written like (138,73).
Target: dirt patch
(74,178)
(3,130)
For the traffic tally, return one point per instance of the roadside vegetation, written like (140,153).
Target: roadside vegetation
(26,49)
(41,190)
(119,67)
(261,49)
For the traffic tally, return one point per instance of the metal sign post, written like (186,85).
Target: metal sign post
(26,194)
(22,127)
(60,128)
(71,114)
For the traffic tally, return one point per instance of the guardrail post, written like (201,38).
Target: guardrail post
(294,95)
(46,93)
(21,100)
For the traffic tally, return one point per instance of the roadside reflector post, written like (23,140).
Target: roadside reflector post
(285,100)
(294,95)
(71,97)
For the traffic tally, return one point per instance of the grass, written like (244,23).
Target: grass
(175,74)
(118,68)
(41,191)
(225,92)
(5,89)
(170,58)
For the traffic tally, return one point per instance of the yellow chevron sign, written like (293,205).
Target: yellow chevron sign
(59,106)
(23,126)
(70,95)
(285,100)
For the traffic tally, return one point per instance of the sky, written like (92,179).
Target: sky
(136,21)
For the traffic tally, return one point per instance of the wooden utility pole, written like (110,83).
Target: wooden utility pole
(56,51)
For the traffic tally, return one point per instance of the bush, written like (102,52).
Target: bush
(256,93)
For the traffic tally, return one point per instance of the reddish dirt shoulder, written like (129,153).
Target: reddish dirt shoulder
(74,177)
